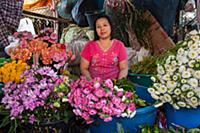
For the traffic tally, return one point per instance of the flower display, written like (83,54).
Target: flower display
(41,47)
(42,97)
(178,77)
(11,71)
(100,98)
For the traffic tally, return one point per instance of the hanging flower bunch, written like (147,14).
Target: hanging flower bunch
(11,71)
(177,80)
(43,47)
(42,97)
(100,98)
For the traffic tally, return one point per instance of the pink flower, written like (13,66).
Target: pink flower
(99,105)
(107,119)
(131,107)
(77,112)
(120,93)
(128,94)
(97,85)
(109,83)
(106,110)
(99,92)
(92,112)
(116,100)
(122,106)
(92,97)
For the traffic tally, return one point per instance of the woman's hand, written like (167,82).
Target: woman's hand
(84,65)
(123,67)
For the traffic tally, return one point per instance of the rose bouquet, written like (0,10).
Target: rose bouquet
(178,77)
(100,98)
(40,98)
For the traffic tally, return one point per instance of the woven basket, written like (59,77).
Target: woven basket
(45,10)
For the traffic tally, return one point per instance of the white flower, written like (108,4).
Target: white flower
(176,106)
(170,90)
(182,59)
(198,50)
(191,63)
(153,79)
(182,69)
(174,63)
(167,98)
(166,77)
(162,89)
(190,43)
(192,54)
(123,98)
(175,77)
(190,94)
(183,81)
(154,96)
(156,85)
(194,100)
(186,74)
(181,104)
(185,87)
(124,114)
(116,87)
(180,51)
(177,91)
(198,58)
(160,69)
(157,92)
(193,47)
(171,84)
(151,90)
(193,82)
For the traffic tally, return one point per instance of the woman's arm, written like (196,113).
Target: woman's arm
(84,65)
(123,66)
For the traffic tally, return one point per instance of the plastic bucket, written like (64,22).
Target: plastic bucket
(140,79)
(188,118)
(146,115)
(92,15)
(142,92)
(142,82)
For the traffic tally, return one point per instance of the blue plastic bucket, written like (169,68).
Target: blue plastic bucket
(188,118)
(142,92)
(92,15)
(141,79)
(142,82)
(146,115)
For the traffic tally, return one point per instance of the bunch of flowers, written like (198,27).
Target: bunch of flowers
(41,47)
(178,77)
(100,98)
(42,97)
(11,71)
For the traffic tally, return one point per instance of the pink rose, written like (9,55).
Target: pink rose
(131,107)
(122,106)
(116,100)
(99,105)
(106,110)
(120,93)
(109,83)
(128,94)
(92,112)
(107,119)
(92,97)
(99,92)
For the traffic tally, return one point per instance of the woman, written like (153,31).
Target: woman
(104,57)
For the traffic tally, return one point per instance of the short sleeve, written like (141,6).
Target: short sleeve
(86,52)
(122,53)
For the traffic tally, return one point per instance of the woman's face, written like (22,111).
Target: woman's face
(103,28)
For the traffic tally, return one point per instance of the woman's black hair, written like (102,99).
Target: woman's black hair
(96,37)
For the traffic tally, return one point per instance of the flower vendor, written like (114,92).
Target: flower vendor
(104,57)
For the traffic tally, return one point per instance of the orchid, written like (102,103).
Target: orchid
(178,76)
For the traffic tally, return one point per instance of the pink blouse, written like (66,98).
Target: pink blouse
(104,64)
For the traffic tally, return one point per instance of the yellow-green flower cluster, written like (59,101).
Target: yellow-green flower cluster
(11,71)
